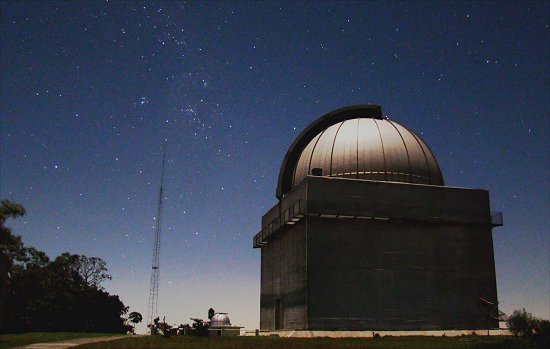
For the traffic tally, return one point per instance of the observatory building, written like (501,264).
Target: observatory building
(220,325)
(366,236)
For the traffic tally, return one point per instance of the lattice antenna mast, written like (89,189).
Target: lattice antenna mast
(155,271)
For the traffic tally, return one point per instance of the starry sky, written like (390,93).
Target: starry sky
(90,91)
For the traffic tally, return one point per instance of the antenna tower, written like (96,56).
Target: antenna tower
(155,271)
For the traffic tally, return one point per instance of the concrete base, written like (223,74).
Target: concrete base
(369,334)
(226,331)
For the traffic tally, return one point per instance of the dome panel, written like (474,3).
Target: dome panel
(322,153)
(395,153)
(417,156)
(344,152)
(435,172)
(370,151)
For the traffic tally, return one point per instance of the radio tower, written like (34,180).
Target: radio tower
(155,271)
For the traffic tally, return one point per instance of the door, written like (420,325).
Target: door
(278,314)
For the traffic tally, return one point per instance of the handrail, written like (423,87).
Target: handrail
(288,217)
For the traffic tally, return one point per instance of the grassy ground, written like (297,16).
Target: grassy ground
(15,340)
(316,343)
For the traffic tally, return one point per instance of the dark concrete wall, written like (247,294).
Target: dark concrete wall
(391,275)
(397,200)
(425,267)
(284,278)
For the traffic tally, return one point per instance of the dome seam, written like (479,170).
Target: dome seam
(437,170)
(313,151)
(334,142)
(383,152)
(406,149)
(423,152)
(357,151)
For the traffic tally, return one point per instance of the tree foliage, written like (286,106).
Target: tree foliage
(542,334)
(135,317)
(54,296)
(92,270)
(10,209)
(521,323)
(11,248)
(64,294)
(524,324)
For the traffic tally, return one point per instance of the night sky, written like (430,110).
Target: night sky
(90,91)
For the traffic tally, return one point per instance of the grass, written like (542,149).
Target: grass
(187,342)
(15,340)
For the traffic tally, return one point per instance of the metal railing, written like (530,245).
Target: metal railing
(290,216)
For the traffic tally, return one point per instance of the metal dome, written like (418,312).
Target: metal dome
(357,142)
(220,319)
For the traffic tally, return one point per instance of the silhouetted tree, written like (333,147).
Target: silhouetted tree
(11,248)
(82,270)
(521,323)
(92,270)
(542,334)
(65,294)
(53,296)
(134,317)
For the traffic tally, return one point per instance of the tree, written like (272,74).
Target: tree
(10,209)
(65,294)
(53,296)
(521,323)
(83,271)
(11,248)
(92,270)
(35,257)
(542,334)
(134,317)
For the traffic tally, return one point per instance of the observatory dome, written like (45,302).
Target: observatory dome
(358,142)
(220,319)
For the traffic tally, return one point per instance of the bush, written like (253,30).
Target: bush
(521,323)
(542,334)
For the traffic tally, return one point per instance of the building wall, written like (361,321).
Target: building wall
(284,280)
(342,196)
(398,275)
(422,264)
